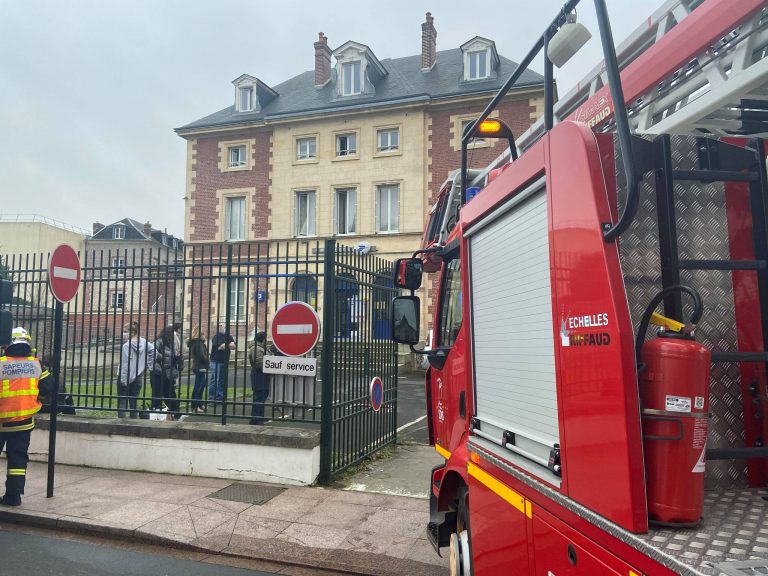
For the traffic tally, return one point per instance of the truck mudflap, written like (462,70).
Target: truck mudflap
(441,524)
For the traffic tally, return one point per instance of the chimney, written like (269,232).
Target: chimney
(148,229)
(428,43)
(322,61)
(97,227)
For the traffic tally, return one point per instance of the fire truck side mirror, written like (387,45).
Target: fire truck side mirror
(6,319)
(405,320)
(408,272)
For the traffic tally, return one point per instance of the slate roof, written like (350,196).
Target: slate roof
(404,82)
(134,230)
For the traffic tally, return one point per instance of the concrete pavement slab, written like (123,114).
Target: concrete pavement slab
(283,507)
(313,536)
(338,515)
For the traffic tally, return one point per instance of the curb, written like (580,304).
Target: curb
(287,553)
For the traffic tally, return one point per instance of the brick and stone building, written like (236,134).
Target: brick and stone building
(353,149)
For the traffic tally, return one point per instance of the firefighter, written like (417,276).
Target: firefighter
(19,373)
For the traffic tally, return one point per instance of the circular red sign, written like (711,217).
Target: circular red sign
(377,393)
(64,273)
(295,328)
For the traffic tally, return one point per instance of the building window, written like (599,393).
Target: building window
(118,232)
(350,73)
(305,213)
(346,210)
(237,156)
(478,64)
(304,289)
(346,144)
(388,208)
(388,140)
(237,299)
(116,300)
(118,266)
(306,148)
(235,219)
(245,99)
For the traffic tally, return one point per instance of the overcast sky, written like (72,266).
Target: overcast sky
(90,91)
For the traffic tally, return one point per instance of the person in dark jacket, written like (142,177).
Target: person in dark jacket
(259,382)
(165,372)
(221,344)
(48,382)
(198,352)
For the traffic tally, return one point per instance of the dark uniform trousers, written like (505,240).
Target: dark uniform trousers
(16,446)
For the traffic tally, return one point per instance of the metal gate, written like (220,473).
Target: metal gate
(356,348)
(238,287)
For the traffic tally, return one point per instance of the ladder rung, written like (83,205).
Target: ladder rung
(722,264)
(737,453)
(739,356)
(714,176)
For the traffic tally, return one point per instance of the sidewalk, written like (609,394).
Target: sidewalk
(372,533)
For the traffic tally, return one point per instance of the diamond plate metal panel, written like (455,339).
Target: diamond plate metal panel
(250,493)
(702,235)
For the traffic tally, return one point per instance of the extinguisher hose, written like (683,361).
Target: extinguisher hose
(698,310)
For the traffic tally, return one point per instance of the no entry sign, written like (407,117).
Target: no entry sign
(64,273)
(295,328)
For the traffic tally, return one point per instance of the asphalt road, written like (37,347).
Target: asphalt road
(37,555)
(411,408)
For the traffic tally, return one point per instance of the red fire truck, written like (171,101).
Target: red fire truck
(577,440)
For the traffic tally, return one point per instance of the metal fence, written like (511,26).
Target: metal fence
(237,286)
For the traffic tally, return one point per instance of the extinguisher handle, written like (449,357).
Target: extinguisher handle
(698,311)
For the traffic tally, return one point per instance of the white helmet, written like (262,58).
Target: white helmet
(20,336)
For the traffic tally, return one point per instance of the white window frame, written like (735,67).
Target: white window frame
(389,147)
(117,300)
(480,60)
(352,71)
(118,232)
(237,299)
(308,154)
(310,198)
(118,266)
(229,234)
(389,188)
(346,193)
(246,106)
(242,156)
(349,150)
(477,140)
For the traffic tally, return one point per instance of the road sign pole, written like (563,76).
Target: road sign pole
(58,321)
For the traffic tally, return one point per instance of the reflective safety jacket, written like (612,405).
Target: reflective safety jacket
(18,392)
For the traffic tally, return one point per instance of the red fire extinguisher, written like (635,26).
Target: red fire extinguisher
(674,393)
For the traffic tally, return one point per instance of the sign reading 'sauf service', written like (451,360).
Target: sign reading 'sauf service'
(290,366)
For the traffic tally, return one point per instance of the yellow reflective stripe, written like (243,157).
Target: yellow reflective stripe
(33,389)
(16,393)
(45,374)
(442,451)
(528,509)
(29,426)
(497,487)
(17,472)
(27,412)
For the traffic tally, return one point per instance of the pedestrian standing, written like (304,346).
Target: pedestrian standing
(20,373)
(221,344)
(135,356)
(164,373)
(198,353)
(259,382)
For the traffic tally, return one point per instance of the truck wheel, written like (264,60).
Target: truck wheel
(461,552)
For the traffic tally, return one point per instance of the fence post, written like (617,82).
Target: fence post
(326,361)
(225,370)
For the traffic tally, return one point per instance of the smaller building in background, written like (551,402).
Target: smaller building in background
(34,236)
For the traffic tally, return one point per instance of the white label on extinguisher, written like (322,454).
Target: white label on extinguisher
(698,403)
(699,467)
(678,404)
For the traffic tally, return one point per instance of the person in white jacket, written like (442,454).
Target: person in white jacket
(136,355)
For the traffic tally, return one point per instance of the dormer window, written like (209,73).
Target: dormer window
(480,59)
(118,232)
(478,65)
(351,78)
(245,98)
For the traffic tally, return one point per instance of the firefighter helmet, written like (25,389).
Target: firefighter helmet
(20,336)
